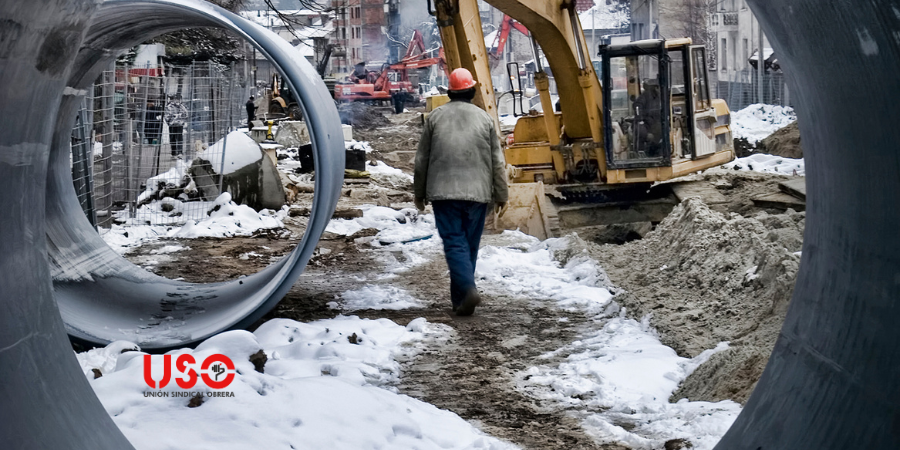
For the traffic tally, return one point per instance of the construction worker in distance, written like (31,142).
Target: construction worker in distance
(460,169)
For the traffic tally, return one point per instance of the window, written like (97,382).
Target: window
(746,53)
(343,33)
(723,55)
(358,15)
(636,108)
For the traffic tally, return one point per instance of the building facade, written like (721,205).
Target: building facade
(737,40)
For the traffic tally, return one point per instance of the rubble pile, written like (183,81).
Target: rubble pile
(706,278)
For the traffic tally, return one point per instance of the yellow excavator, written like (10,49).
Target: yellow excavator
(648,118)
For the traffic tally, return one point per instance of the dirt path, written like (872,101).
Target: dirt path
(472,372)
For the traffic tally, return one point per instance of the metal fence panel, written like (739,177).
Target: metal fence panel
(127,140)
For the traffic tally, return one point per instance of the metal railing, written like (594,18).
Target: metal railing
(741,89)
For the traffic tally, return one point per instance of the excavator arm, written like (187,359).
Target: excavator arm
(555,27)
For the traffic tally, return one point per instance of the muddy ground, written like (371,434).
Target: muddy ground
(691,272)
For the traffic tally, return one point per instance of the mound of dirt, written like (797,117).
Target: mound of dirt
(362,116)
(708,277)
(784,142)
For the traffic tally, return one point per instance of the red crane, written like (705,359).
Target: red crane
(507,24)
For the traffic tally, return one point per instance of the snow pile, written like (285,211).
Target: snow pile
(227,219)
(557,269)
(384,174)
(236,150)
(319,389)
(395,227)
(758,121)
(224,219)
(170,180)
(358,145)
(761,162)
(376,297)
(621,378)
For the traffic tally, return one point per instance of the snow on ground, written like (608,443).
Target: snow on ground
(617,379)
(326,384)
(376,297)
(395,227)
(758,121)
(223,219)
(383,174)
(761,162)
(620,379)
(576,284)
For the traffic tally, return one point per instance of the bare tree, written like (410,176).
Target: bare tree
(691,18)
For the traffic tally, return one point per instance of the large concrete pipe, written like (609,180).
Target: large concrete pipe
(832,380)
(50,53)
(102,296)
(44,401)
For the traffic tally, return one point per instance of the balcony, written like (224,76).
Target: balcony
(725,21)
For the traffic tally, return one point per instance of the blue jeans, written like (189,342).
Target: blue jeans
(460,224)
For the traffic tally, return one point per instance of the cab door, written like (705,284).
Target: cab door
(701,110)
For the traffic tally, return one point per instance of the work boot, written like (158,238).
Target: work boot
(467,307)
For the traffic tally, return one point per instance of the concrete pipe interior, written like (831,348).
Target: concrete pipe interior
(831,380)
(102,296)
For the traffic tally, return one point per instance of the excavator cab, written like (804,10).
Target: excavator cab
(659,110)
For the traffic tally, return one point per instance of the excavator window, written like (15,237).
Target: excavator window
(636,108)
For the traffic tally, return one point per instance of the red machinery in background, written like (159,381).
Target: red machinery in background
(393,78)
(506,25)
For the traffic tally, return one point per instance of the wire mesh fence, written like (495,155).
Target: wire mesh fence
(139,133)
(742,89)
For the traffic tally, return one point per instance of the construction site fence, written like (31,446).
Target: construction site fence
(122,138)
(741,89)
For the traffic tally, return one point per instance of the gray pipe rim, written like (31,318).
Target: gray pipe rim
(102,297)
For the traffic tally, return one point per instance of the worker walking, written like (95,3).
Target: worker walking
(460,169)
(251,112)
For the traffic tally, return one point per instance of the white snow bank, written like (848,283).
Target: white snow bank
(376,297)
(577,284)
(622,377)
(761,162)
(756,122)
(239,151)
(318,391)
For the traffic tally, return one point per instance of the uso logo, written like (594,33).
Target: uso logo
(217,371)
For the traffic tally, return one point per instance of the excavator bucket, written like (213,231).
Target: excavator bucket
(527,211)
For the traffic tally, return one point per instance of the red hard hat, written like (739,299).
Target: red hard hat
(461,79)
